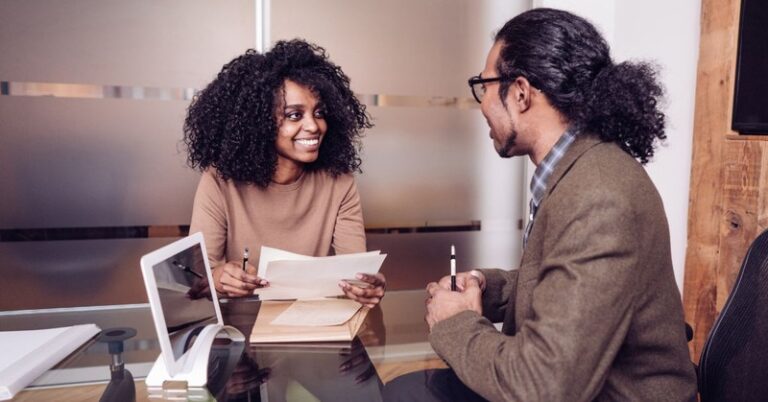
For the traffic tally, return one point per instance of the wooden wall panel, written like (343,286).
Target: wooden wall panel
(762,202)
(742,161)
(728,206)
(714,86)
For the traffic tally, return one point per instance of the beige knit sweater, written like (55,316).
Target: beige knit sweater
(311,216)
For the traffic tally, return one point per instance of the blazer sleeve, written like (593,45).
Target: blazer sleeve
(581,310)
(349,232)
(499,293)
(210,217)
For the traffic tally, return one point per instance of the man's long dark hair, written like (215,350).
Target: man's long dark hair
(565,57)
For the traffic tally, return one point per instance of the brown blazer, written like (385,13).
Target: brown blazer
(593,313)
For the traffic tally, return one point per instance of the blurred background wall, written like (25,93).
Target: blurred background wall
(93,97)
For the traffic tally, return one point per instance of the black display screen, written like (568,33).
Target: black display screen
(750,106)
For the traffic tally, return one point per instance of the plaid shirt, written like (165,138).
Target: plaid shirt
(541,175)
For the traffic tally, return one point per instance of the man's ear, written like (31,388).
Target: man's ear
(519,94)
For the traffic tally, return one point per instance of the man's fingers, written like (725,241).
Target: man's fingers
(433,288)
(471,281)
(445,282)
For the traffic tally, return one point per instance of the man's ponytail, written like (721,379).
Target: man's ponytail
(623,106)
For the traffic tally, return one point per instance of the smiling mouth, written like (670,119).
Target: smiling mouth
(308,141)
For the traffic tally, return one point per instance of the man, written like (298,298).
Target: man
(593,312)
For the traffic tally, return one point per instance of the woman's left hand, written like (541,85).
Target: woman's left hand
(368,292)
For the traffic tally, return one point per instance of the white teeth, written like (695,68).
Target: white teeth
(308,141)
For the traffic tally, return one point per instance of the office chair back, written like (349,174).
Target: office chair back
(734,363)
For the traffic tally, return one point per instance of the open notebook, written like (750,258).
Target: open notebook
(25,355)
(315,312)
(284,322)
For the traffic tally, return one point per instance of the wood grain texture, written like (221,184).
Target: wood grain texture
(742,171)
(714,88)
(728,205)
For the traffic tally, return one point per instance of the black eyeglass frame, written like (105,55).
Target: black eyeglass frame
(479,80)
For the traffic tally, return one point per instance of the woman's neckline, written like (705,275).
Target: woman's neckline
(288,186)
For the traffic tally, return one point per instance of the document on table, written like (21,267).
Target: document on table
(318,312)
(268,328)
(295,276)
(25,355)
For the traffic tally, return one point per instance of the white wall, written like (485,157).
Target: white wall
(666,33)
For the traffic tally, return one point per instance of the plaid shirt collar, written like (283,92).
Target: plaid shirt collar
(547,166)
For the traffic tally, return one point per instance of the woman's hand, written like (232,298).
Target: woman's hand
(230,280)
(367,290)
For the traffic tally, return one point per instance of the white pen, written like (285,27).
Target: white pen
(453,268)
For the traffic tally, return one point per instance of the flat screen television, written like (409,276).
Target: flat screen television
(750,101)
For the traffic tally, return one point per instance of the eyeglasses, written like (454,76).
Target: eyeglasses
(478,89)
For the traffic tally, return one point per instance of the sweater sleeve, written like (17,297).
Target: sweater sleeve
(349,232)
(210,217)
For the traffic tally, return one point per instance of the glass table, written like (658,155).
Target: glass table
(392,341)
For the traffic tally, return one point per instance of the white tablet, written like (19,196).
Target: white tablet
(182,303)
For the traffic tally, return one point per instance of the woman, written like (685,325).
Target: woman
(277,138)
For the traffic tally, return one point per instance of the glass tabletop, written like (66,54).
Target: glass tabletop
(392,341)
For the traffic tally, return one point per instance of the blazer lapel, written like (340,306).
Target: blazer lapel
(581,144)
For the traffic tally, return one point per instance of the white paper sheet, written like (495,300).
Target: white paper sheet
(25,355)
(295,276)
(318,312)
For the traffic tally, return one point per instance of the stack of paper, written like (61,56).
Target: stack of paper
(25,355)
(318,314)
(294,276)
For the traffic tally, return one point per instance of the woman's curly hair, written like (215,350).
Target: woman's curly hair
(565,57)
(232,124)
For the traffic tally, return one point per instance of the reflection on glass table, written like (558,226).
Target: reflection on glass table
(393,341)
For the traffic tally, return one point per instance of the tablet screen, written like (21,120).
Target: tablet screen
(185,297)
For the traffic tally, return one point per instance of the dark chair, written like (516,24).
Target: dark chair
(734,362)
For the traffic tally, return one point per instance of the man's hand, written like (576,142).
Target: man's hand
(230,280)
(461,280)
(370,293)
(442,303)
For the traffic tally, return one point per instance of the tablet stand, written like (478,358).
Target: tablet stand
(194,372)
(121,386)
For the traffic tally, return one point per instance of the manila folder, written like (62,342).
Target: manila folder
(265,331)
